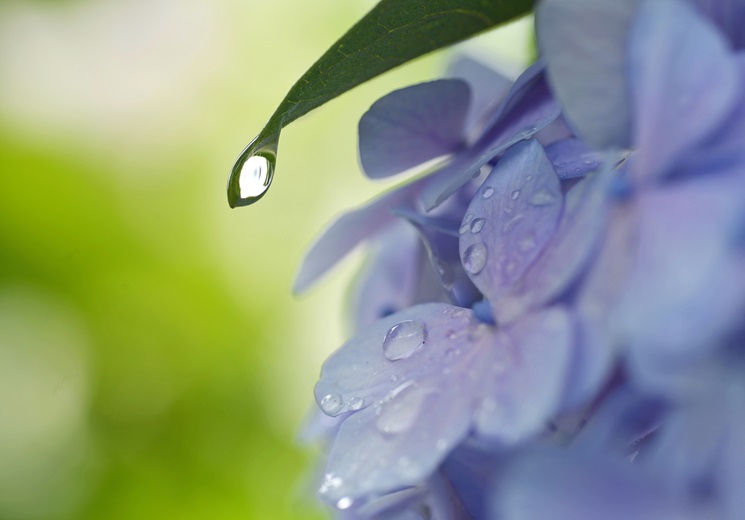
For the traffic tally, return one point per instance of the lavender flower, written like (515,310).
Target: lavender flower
(561,337)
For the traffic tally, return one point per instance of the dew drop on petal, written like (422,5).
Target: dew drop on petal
(344,503)
(488,192)
(508,226)
(474,258)
(468,218)
(527,243)
(515,194)
(400,413)
(464,228)
(403,339)
(331,404)
(355,403)
(542,197)
(477,225)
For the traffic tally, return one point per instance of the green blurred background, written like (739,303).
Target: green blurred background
(153,363)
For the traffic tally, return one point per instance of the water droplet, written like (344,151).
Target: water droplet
(330,481)
(403,339)
(399,414)
(488,192)
(344,503)
(526,243)
(529,178)
(477,225)
(515,194)
(331,404)
(464,228)
(474,258)
(252,173)
(510,224)
(542,197)
(468,218)
(355,403)
(445,271)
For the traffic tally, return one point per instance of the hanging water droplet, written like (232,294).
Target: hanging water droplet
(542,197)
(477,225)
(474,258)
(515,194)
(252,173)
(331,404)
(399,414)
(403,339)
(510,224)
(488,192)
(355,403)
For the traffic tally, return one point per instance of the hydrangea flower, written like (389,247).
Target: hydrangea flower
(559,335)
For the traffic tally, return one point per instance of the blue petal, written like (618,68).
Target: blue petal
(413,125)
(584,44)
(560,484)
(488,87)
(729,15)
(528,108)
(565,254)
(684,83)
(441,243)
(388,281)
(686,290)
(343,235)
(572,158)
(510,220)
(463,375)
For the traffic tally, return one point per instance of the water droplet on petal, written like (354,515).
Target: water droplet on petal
(510,224)
(477,225)
(252,174)
(403,339)
(488,192)
(468,218)
(474,258)
(331,404)
(529,178)
(515,194)
(355,403)
(464,228)
(344,503)
(527,243)
(542,197)
(330,481)
(399,414)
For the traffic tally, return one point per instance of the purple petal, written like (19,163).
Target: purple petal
(527,109)
(687,287)
(572,158)
(729,15)
(347,231)
(565,255)
(684,82)
(459,374)
(564,484)
(584,44)
(440,238)
(488,87)
(413,125)
(388,281)
(509,221)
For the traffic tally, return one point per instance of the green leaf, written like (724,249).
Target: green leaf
(394,32)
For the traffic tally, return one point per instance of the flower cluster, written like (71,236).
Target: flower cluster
(550,325)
